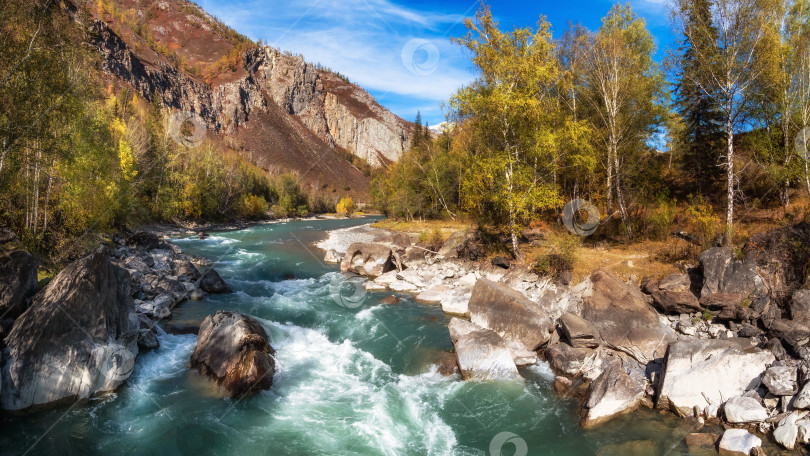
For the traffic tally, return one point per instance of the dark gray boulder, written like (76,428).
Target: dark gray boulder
(211,282)
(234,350)
(77,339)
(18,282)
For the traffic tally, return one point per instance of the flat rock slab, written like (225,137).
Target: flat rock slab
(433,295)
(509,313)
(482,354)
(457,303)
(738,442)
(713,369)
(703,440)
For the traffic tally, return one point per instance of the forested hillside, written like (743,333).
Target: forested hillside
(705,139)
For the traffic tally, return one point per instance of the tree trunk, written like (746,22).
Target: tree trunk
(609,199)
(730,176)
(47,199)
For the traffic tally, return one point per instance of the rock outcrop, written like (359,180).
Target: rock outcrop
(18,282)
(624,319)
(499,308)
(481,353)
(77,339)
(371,260)
(211,282)
(699,373)
(233,350)
(613,393)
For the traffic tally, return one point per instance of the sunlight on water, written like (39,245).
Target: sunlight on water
(359,381)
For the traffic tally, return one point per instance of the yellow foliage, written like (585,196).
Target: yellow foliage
(345,207)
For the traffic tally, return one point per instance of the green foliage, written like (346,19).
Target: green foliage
(291,202)
(703,220)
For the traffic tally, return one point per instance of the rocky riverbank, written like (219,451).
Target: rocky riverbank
(79,336)
(725,342)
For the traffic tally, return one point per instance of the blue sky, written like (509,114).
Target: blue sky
(400,51)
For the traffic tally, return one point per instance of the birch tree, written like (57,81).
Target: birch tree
(730,69)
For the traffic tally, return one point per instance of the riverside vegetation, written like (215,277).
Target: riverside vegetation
(677,148)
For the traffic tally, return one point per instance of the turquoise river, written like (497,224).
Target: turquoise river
(350,381)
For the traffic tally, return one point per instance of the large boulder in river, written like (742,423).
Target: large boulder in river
(509,313)
(18,282)
(482,354)
(613,393)
(624,319)
(233,350)
(79,337)
(211,282)
(371,260)
(703,372)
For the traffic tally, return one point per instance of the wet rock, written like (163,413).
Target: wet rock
(331,257)
(182,328)
(631,448)
(86,341)
(702,440)
(371,260)
(481,353)
(707,371)
(781,380)
(211,282)
(738,442)
(613,393)
(741,410)
(147,334)
(579,332)
(234,350)
(501,309)
(18,282)
(390,300)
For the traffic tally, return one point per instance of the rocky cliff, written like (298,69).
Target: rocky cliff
(261,81)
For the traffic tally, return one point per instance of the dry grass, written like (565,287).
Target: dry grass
(447,227)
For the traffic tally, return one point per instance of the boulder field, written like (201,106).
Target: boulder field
(79,336)
(726,341)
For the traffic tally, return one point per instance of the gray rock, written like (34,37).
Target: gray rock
(457,303)
(803,434)
(741,410)
(781,380)
(158,308)
(147,333)
(369,260)
(18,282)
(738,442)
(613,393)
(234,350)
(183,267)
(723,274)
(482,354)
(676,302)
(802,400)
(579,332)
(86,341)
(626,322)
(144,240)
(211,282)
(708,371)
(800,306)
(675,283)
(331,257)
(501,309)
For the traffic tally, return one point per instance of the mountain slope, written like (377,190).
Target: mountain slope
(284,113)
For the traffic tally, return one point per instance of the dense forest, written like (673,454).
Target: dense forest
(82,153)
(713,127)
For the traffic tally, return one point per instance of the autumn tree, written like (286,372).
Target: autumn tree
(508,107)
(729,68)
(624,85)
